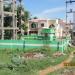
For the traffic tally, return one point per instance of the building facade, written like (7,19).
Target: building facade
(8,19)
(35,26)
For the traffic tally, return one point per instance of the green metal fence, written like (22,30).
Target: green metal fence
(35,41)
(30,44)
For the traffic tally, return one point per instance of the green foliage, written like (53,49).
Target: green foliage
(35,17)
(18,66)
(44,50)
(72,68)
(24,27)
(24,17)
(16,60)
(8,34)
(20,1)
(69,50)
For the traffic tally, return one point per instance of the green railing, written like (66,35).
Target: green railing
(30,44)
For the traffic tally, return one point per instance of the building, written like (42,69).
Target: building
(60,27)
(8,19)
(36,25)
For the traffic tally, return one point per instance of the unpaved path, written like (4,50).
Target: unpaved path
(59,66)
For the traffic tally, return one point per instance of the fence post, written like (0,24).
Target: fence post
(23,45)
(62,46)
(58,46)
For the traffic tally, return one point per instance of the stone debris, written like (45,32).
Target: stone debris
(33,55)
(57,54)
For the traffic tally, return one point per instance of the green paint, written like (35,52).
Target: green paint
(34,41)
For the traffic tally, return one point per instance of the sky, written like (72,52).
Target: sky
(50,9)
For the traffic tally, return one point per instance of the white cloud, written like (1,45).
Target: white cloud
(51,11)
(54,10)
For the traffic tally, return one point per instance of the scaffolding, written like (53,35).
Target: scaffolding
(70,17)
(8,19)
(70,14)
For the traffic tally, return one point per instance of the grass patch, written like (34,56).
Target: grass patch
(29,66)
(70,68)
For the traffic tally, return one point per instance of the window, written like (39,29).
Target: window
(33,25)
(73,33)
(51,26)
(42,25)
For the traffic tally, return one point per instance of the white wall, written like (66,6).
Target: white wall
(59,31)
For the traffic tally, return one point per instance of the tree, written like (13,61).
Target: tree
(25,17)
(20,1)
(35,17)
(22,18)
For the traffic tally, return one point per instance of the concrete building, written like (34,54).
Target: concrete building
(8,19)
(36,25)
